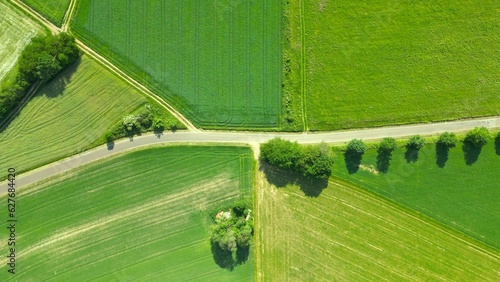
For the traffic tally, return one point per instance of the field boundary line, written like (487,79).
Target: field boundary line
(423,218)
(303,75)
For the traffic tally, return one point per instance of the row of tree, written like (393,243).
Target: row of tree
(311,161)
(40,60)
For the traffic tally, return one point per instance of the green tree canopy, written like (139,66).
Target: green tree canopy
(478,137)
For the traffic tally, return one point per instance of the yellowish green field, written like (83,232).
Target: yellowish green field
(349,234)
(16,30)
(66,116)
(373,63)
(141,216)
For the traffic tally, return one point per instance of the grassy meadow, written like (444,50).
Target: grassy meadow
(16,30)
(373,63)
(69,114)
(459,189)
(349,234)
(53,10)
(218,62)
(144,215)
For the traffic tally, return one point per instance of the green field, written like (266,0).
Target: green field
(142,216)
(373,63)
(69,114)
(462,196)
(349,234)
(16,30)
(218,62)
(53,10)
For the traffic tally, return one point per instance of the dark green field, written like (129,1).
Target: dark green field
(217,61)
(373,63)
(462,191)
(141,216)
(53,10)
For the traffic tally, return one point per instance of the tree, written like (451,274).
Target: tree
(447,140)
(388,144)
(478,137)
(281,153)
(416,142)
(316,161)
(356,147)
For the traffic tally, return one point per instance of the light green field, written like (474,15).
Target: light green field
(349,234)
(16,30)
(218,62)
(53,10)
(373,63)
(66,116)
(140,216)
(461,196)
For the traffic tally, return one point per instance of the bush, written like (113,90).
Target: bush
(316,161)
(416,142)
(478,137)
(356,146)
(448,140)
(281,153)
(388,144)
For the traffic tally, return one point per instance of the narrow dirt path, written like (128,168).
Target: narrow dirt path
(67,16)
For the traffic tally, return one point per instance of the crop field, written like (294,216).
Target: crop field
(16,30)
(69,114)
(460,195)
(373,63)
(53,10)
(144,216)
(349,234)
(219,62)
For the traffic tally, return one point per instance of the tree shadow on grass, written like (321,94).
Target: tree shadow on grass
(280,178)
(223,258)
(471,153)
(441,155)
(242,254)
(57,85)
(411,155)
(352,161)
(383,160)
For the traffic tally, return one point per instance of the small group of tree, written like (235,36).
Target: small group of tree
(311,161)
(149,118)
(232,231)
(40,60)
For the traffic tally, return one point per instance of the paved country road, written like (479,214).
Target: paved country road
(250,138)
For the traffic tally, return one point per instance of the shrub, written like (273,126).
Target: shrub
(281,153)
(448,140)
(416,142)
(388,144)
(478,137)
(356,146)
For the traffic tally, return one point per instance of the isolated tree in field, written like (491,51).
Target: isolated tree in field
(281,153)
(416,142)
(356,147)
(448,140)
(388,144)
(478,137)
